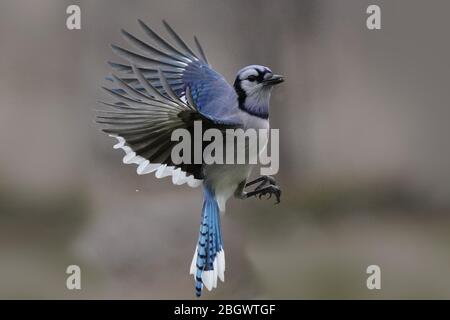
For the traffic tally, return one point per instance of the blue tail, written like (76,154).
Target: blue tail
(209,258)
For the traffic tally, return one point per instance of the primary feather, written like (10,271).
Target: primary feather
(182,68)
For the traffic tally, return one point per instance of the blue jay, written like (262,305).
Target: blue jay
(163,87)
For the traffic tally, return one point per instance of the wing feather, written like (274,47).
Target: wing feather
(159,89)
(181,67)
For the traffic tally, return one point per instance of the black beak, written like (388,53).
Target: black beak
(275,79)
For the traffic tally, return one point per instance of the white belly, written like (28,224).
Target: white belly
(224,179)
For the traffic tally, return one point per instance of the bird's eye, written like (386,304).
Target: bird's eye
(251,78)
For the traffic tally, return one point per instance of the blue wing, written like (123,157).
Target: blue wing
(213,96)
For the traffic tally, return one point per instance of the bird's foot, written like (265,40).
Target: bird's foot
(263,181)
(266,192)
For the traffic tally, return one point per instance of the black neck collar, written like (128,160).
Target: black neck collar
(242,96)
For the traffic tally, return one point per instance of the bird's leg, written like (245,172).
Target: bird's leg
(263,181)
(265,191)
(266,187)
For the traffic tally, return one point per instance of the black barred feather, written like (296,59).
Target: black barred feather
(146,119)
(153,92)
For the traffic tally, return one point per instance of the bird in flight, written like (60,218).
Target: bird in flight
(164,86)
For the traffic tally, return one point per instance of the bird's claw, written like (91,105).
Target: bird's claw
(269,191)
(267,195)
(266,188)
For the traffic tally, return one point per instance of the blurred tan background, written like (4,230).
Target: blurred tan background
(365,162)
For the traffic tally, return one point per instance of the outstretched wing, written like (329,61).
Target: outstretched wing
(143,122)
(214,97)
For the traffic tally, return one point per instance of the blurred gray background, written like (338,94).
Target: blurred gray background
(365,162)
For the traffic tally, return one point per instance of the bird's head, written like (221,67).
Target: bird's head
(253,86)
